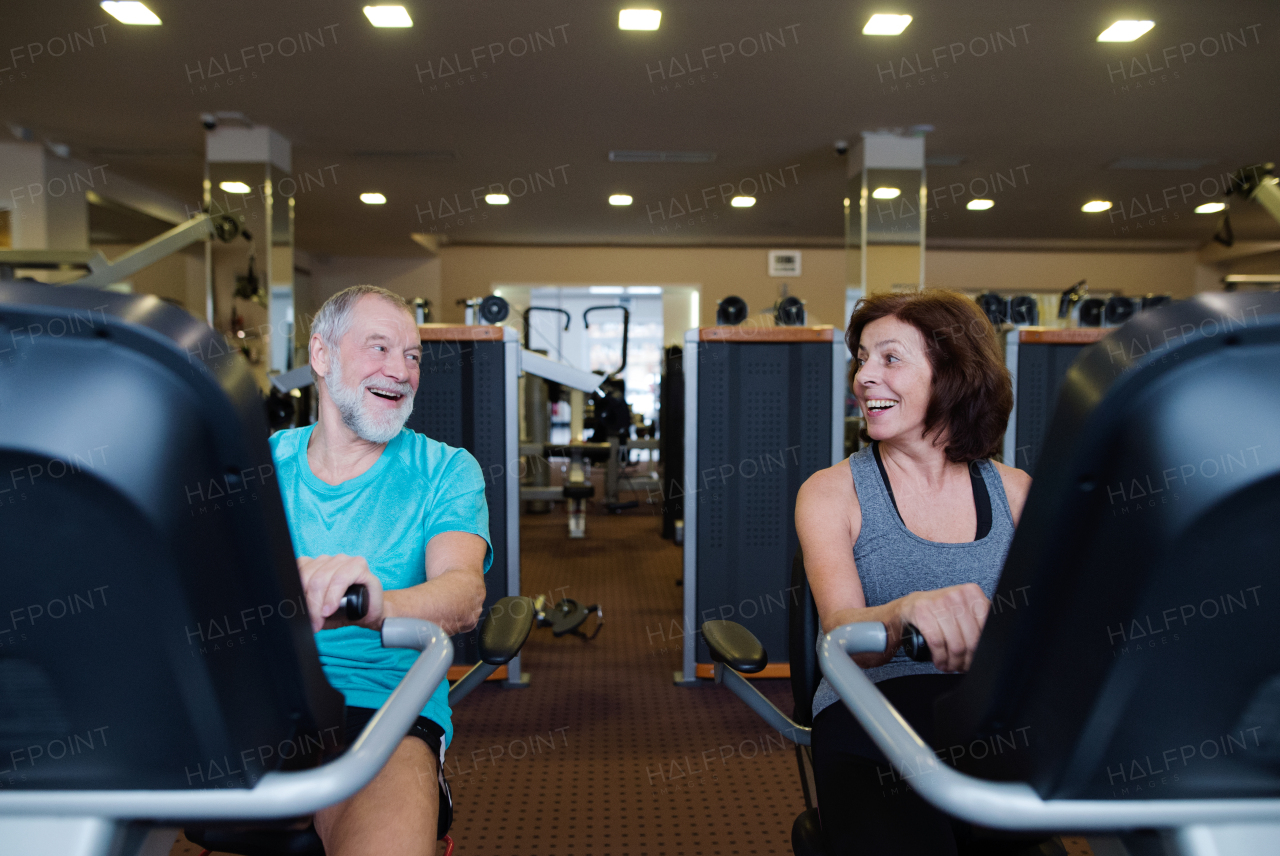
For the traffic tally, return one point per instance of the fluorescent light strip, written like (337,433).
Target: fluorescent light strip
(497,198)
(1210,207)
(886,193)
(1125,31)
(373,199)
(639,19)
(131,12)
(886,25)
(1095,206)
(979,204)
(388,16)
(620,199)
(742,201)
(234,187)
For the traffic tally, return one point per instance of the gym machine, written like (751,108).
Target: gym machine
(135,582)
(101,273)
(605,411)
(763,410)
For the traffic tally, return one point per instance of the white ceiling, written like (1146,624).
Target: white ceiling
(1046,106)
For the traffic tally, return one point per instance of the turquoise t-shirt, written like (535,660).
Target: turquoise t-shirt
(417,489)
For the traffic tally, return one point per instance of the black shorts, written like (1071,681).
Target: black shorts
(430,733)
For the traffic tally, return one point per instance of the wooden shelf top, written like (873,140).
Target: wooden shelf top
(1062,335)
(459,332)
(823,333)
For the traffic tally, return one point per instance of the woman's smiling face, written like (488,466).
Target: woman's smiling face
(894,379)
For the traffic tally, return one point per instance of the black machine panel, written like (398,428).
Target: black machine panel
(461,401)
(153,632)
(671,435)
(1130,650)
(764,416)
(1042,367)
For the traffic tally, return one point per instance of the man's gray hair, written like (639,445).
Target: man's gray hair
(334,318)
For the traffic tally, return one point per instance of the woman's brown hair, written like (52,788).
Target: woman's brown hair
(972,393)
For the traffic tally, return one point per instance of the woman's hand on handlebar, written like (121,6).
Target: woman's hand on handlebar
(325,579)
(951,620)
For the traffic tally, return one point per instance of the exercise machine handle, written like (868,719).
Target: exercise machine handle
(913,644)
(355,603)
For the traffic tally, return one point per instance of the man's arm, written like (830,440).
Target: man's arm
(453,595)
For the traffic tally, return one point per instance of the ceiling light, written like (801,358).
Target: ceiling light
(639,19)
(886,25)
(1210,207)
(130,12)
(979,204)
(619,199)
(1125,31)
(234,186)
(644,289)
(885,193)
(497,198)
(388,16)
(1095,206)
(606,289)
(373,199)
(742,201)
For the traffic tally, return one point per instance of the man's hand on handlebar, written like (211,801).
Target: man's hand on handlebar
(951,620)
(325,580)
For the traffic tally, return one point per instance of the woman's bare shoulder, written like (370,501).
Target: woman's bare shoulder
(829,493)
(1017,484)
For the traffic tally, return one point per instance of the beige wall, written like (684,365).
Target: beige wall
(473,271)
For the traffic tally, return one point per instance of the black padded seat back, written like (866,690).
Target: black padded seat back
(1131,648)
(153,632)
(802,648)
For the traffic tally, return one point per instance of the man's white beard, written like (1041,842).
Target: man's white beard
(369,426)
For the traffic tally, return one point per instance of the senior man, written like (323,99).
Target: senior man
(370,501)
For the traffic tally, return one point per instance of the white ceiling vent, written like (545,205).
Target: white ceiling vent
(636,156)
(784,263)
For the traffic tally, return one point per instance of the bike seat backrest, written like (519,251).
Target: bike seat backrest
(1130,648)
(153,632)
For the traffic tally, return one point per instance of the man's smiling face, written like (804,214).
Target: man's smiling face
(374,373)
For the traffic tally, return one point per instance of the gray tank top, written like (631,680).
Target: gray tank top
(893,561)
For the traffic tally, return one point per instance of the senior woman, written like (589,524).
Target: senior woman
(913,529)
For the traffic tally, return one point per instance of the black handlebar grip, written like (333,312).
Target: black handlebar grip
(355,603)
(913,644)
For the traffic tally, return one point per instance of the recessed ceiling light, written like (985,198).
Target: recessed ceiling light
(606,289)
(1125,31)
(1095,206)
(234,186)
(1210,207)
(886,193)
(619,199)
(388,16)
(644,289)
(497,198)
(639,19)
(742,201)
(130,12)
(886,25)
(979,204)
(373,199)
